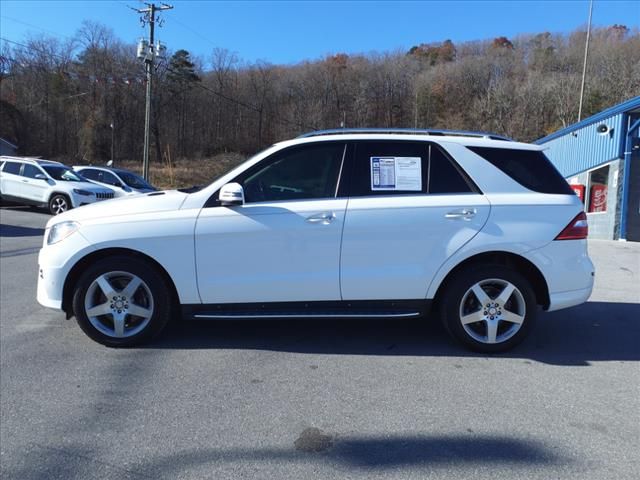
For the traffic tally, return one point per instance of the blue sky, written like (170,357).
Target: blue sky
(292,31)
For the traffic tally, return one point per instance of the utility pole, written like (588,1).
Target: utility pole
(113,138)
(584,66)
(147,52)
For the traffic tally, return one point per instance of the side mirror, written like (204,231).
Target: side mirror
(41,176)
(231,194)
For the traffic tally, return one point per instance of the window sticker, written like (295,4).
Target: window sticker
(396,173)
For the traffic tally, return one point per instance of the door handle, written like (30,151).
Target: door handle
(464,214)
(25,181)
(325,218)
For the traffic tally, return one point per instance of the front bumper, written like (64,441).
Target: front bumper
(54,264)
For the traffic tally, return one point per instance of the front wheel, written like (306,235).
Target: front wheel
(488,308)
(121,301)
(59,204)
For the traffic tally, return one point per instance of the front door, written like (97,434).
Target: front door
(283,244)
(33,188)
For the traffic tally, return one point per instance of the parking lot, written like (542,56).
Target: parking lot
(318,399)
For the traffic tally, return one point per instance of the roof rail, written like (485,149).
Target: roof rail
(406,131)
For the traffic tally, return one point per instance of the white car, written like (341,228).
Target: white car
(474,228)
(47,183)
(123,182)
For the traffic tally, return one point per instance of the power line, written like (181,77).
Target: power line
(35,26)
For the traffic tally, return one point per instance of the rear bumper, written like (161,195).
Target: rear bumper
(560,300)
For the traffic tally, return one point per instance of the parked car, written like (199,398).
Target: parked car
(474,228)
(123,182)
(47,184)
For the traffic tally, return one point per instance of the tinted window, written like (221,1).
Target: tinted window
(12,167)
(110,178)
(445,176)
(297,173)
(91,174)
(365,169)
(31,171)
(531,169)
(438,173)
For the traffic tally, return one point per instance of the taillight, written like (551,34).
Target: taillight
(576,230)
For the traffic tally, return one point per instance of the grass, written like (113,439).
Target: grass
(185,172)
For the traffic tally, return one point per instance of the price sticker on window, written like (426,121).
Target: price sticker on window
(396,173)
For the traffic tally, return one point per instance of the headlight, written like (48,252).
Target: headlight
(60,231)
(82,192)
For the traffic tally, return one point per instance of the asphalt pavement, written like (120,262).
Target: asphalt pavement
(318,399)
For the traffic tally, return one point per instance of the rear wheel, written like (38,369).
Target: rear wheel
(59,204)
(122,301)
(488,308)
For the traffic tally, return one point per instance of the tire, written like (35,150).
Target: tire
(115,312)
(488,308)
(59,203)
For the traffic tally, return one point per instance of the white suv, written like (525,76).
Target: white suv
(474,228)
(47,183)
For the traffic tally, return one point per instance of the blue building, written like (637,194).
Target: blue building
(600,158)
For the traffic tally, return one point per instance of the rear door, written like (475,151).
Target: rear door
(10,180)
(410,208)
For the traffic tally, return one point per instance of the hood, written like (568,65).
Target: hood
(130,205)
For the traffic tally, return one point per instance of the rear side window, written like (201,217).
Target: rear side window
(12,167)
(531,169)
(437,173)
(446,177)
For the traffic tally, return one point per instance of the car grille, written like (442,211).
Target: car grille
(104,196)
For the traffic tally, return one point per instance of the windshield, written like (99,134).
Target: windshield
(134,181)
(63,173)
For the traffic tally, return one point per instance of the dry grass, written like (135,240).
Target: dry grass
(185,172)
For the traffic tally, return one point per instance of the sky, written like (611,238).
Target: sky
(288,32)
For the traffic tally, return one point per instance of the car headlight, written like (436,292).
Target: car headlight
(61,230)
(82,192)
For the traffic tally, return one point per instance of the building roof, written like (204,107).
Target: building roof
(624,107)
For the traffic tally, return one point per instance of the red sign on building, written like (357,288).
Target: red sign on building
(598,199)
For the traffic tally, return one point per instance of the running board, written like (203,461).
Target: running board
(341,309)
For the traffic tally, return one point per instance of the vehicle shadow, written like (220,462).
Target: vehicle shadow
(17,231)
(594,331)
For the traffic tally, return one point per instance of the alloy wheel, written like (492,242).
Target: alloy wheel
(492,311)
(119,304)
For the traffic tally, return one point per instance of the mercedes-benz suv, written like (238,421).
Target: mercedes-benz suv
(473,228)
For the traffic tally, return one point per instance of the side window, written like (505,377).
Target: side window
(109,178)
(444,176)
(90,173)
(530,168)
(298,173)
(378,168)
(12,167)
(30,171)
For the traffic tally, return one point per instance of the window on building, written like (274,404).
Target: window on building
(598,186)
